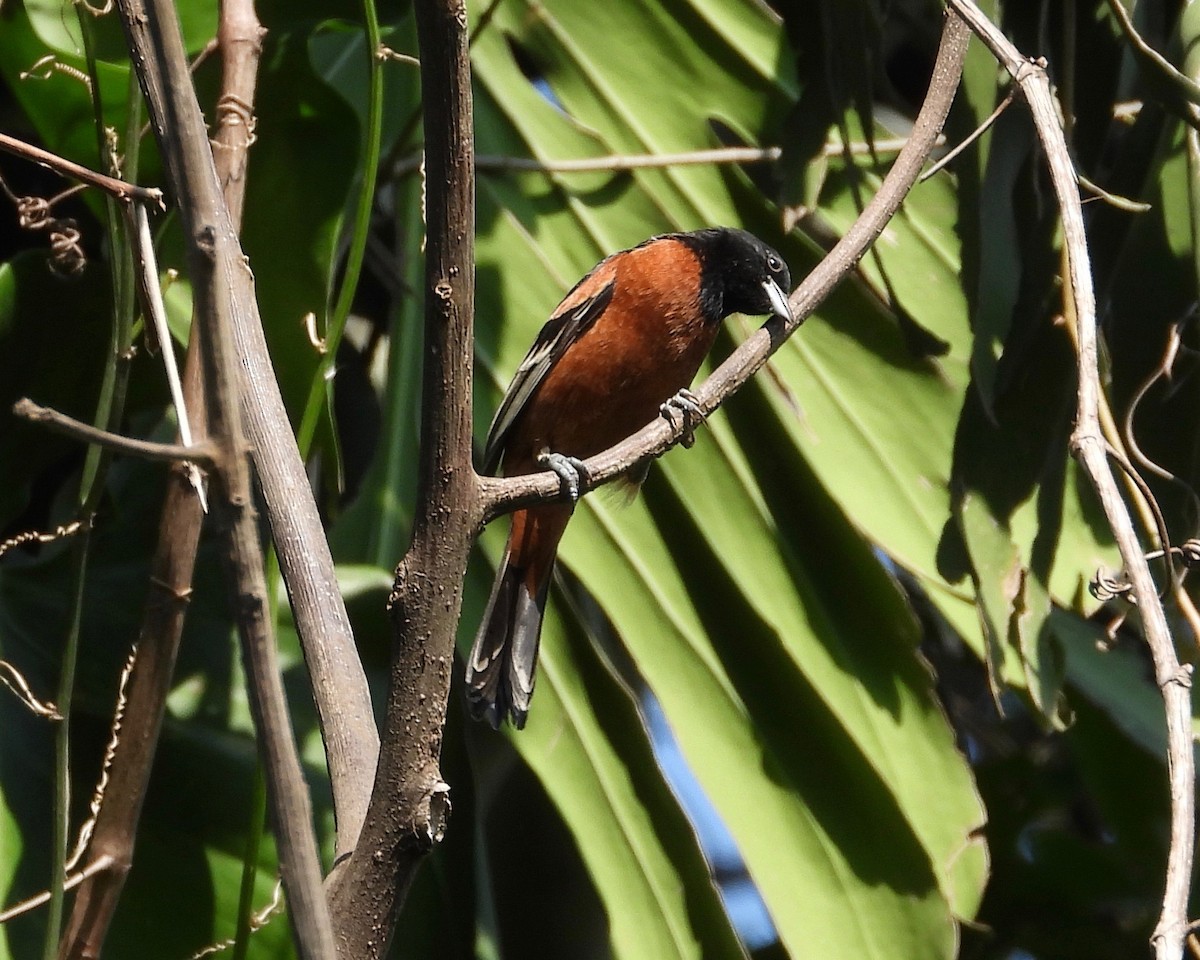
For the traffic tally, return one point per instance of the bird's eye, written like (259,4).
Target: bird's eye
(774,264)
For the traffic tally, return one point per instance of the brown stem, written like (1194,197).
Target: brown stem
(158,644)
(239,36)
(409,804)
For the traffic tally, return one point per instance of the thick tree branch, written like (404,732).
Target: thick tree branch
(409,805)
(499,495)
(220,276)
(1088,446)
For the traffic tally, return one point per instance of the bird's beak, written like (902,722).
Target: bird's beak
(778,298)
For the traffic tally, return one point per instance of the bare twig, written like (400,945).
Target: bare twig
(202,453)
(12,678)
(153,300)
(1113,199)
(18,909)
(978,132)
(1087,444)
(1184,85)
(68,168)
(691,158)
(1162,371)
(492,163)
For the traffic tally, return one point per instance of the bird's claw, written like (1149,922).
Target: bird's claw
(571,472)
(687,405)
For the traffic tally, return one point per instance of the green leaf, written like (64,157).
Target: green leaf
(764,690)
(587,745)
(998,574)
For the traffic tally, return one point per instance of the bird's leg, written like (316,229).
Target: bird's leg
(572,474)
(687,405)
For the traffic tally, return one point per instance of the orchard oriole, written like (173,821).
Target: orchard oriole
(620,349)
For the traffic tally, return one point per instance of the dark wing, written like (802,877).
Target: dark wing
(553,340)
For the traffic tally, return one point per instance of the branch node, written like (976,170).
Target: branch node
(439,812)
(1181,677)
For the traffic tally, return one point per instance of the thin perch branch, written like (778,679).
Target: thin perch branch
(498,495)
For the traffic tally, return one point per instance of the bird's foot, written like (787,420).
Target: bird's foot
(572,474)
(686,405)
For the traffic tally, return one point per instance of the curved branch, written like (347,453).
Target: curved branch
(499,495)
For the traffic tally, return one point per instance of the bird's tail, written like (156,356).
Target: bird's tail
(500,672)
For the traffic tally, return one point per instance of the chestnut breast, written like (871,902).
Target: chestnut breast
(645,347)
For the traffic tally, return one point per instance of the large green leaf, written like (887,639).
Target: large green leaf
(593,756)
(787,719)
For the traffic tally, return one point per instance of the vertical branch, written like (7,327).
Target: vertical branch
(221,288)
(409,804)
(239,35)
(1088,446)
(174,558)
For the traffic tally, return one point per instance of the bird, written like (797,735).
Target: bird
(620,350)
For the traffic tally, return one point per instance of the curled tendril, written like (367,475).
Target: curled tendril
(1189,552)
(33,213)
(1106,585)
(67,258)
(47,66)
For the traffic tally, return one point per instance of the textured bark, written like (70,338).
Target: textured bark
(410,803)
